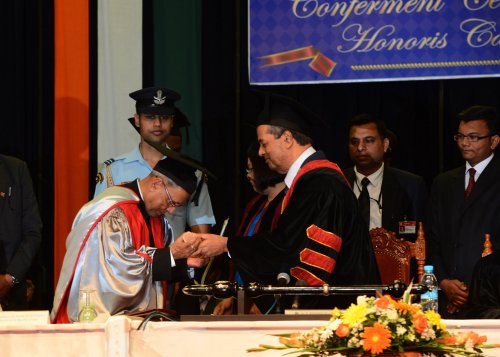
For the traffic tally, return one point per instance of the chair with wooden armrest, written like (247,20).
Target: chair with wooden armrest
(394,255)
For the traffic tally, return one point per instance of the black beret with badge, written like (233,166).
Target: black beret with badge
(155,100)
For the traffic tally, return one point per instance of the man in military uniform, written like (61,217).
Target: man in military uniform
(154,119)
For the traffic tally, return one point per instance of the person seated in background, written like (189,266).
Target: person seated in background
(20,232)
(261,214)
(120,245)
(484,290)
(394,199)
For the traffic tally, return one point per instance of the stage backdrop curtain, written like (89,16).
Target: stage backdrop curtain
(119,73)
(177,60)
(71,118)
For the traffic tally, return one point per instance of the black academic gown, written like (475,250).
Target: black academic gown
(404,198)
(319,205)
(456,228)
(484,294)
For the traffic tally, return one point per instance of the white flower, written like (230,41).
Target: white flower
(392,315)
(469,345)
(362,300)
(428,334)
(411,336)
(334,325)
(354,342)
(400,330)
(327,333)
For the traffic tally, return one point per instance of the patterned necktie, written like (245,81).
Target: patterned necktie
(364,200)
(468,190)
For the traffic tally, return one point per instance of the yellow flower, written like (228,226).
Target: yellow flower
(353,314)
(336,313)
(435,320)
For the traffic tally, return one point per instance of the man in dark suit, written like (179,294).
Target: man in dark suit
(20,231)
(464,206)
(397,198)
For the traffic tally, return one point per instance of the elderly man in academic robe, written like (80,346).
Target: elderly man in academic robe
(119,245)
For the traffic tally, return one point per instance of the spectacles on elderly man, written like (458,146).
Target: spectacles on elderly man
(171,202)
(472,137)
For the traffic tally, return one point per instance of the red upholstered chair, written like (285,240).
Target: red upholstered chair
(394,255)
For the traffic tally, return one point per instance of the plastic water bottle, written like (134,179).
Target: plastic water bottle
(429,300)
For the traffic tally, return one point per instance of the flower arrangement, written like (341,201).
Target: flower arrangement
(382,326)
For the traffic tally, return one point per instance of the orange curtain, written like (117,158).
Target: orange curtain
(71,118)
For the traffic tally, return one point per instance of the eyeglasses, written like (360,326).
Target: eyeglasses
(472,137)
(171,202)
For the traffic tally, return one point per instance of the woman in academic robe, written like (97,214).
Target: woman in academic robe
(260,214)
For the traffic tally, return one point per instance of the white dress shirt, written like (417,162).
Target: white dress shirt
(375,192)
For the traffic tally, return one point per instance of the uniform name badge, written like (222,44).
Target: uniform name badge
(408,227)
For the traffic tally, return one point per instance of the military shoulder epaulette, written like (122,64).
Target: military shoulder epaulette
(108,162)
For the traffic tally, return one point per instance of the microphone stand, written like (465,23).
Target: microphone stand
(283,280)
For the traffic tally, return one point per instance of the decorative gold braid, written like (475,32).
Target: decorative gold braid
(374,67)
(109,177)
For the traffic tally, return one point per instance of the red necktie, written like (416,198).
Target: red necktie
(468,190)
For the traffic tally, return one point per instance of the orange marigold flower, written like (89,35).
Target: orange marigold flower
(463,337)
(448,340)
(401,306)
(376,338)
(420,323)
(294,339)
(382,302)
(342,330)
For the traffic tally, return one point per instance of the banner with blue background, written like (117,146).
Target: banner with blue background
(324,41)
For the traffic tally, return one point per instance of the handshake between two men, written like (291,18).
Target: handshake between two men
(198,247)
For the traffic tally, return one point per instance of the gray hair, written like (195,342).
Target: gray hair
(277,132)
